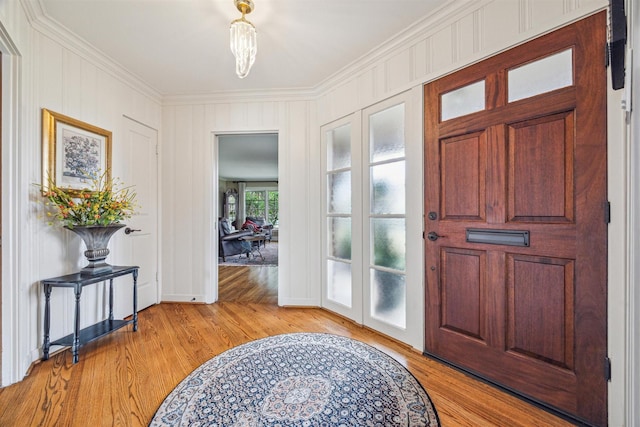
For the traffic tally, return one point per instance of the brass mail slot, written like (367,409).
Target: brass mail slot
(498,237)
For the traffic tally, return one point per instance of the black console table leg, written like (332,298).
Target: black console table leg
(111,299)
(135,300)
(47,322)
(75,347)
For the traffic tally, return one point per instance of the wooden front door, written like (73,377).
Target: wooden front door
(515,220)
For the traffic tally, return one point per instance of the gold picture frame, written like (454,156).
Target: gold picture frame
(73,152)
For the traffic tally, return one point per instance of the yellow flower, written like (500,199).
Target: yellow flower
(103,204)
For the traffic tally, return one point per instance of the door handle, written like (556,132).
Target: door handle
(129,230)
(433,236)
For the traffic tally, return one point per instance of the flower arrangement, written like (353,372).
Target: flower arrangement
(105,204)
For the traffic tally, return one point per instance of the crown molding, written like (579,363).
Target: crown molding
(422,28)
(440,18)
(221,97)
(431,24)
(49,27)
(428,25)
(37,17)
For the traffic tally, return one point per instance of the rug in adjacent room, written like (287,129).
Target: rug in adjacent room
(267,256)
(302,379)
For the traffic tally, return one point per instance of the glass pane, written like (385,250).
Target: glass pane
(339,282)
(340,238)
(541,76)
(339,192)
(388,297)
(386,134)
(274,206)
(389,243)
(339,148)
(388,188)
(255,204)
(466,100)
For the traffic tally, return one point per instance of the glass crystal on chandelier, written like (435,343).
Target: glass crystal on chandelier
(243,45)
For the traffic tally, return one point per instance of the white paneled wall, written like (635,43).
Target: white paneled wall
(69,83)
(632,369)
(461,33)
(51,74)
(189,216)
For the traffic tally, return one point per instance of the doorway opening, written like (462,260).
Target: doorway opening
(248,216)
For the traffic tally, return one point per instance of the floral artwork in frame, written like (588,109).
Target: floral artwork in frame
(74,153)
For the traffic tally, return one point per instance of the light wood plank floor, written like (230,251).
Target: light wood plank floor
(122,378)
(248,284)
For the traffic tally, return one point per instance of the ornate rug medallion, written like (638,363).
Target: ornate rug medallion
(300,379)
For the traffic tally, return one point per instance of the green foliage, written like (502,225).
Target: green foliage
(256,203)
(273,207)
(385,252)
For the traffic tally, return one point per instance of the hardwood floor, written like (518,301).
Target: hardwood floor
(248,284)
(122,378)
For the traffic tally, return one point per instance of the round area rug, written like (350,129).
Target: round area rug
(302,379)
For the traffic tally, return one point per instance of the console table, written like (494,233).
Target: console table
(77,281)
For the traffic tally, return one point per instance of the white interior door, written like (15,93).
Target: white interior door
(141,233)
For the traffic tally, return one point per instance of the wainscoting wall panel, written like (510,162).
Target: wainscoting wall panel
(55,70)
(459,34)
(189,217)
(69,82)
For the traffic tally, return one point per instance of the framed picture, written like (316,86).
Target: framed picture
(73,152)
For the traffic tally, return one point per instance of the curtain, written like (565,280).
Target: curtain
(242,186)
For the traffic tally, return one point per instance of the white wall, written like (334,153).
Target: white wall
(632,364)
(189,221)
(14,34)
(51,70)
(459,34)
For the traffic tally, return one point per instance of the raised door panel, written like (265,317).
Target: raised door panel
(540,295)
(462,292)
(541,169)
(463,166)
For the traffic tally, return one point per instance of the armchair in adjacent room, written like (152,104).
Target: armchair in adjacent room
(229,242)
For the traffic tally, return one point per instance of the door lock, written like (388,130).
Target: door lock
(433,236)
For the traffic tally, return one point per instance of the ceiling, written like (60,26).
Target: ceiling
(248,157)
(181,47)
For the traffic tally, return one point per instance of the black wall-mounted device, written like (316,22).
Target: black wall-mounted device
(617,42)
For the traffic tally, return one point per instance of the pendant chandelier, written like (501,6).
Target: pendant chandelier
(243,39)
